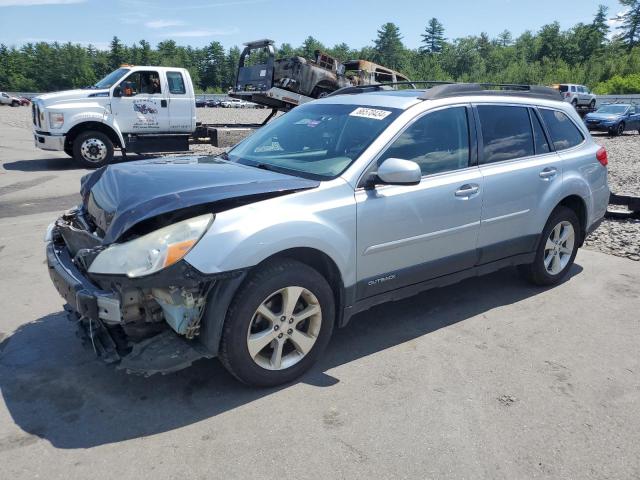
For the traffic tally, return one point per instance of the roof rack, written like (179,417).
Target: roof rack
(497,89)
(442,89)
(352,90)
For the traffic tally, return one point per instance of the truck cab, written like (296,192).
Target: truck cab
(141,109)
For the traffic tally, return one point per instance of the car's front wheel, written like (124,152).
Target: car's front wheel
(620,129)
(557,249)
(278,324)
(93,149)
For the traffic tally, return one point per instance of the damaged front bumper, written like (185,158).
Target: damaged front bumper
(155,324)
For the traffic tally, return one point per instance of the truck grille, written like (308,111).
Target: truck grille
(35,113)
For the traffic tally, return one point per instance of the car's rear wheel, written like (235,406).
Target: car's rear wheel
(574,102)
(557,249)
(278,324)
(93,149)
(15,103)
(592,104)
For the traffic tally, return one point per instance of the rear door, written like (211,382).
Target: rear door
(409,234)
(181,103)
(142,106)
(518,166)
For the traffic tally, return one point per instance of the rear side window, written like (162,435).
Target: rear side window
(506,133)
(176,83)
(564,88)
(438,142)
(564,133)
(539,138)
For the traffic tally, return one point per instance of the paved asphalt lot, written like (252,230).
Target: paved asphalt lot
(487,379)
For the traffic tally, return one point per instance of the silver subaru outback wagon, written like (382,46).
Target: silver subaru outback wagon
(254,256)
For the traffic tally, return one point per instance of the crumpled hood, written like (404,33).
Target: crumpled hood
(118,197)
(56,97)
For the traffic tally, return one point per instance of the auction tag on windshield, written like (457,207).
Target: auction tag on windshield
(370,113)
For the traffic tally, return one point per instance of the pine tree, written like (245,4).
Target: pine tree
(388,47)
(433,37)
(116,53)
(630,22)
(599,24)
(505,38)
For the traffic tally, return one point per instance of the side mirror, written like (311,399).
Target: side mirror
(395,171)
(117,92)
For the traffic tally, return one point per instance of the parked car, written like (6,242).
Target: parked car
(614,118)
(6,99)
(213,103)
(201,103)
(235,103)
(254,256)
(577,95)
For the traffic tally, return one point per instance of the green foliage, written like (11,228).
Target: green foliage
(619,85)
(582,54)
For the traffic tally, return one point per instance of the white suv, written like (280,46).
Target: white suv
(6,99)
(577,95)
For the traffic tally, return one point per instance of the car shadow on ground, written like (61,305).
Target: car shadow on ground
(60,163)
(56,390)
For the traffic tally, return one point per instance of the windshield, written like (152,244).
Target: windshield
(318,141)
(111,79)
(613,109)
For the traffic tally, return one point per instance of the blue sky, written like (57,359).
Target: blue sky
(232,22)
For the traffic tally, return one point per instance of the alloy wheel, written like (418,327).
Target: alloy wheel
(284,328)
(559,247)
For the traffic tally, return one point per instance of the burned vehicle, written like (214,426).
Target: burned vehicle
(286,82)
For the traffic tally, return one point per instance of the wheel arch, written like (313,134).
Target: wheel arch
(322,263)
(92,125)
(577,204)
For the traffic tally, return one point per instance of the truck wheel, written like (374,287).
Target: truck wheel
(557,249)
(574,102)
(68,149)
(278,324)
(592,104)
(93,149)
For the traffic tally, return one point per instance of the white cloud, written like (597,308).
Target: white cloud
(200,33)
(28,3)
(163,23)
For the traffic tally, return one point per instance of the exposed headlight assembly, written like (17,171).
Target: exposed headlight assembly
(56,119)
(154,251)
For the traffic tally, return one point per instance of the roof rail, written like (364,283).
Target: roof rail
(383,86)
(497,89)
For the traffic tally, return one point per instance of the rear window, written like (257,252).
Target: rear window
(564,133)
(564,88)
(506,133)
(176,83)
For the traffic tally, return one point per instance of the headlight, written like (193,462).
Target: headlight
(56,119)
(154,251)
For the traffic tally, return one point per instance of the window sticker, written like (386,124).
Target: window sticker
(370,113)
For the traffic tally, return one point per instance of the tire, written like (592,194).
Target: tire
(15,104)
(592,104)
(68,149)
(265,288)
(96,142)
(541,273)
(574,102)
(620,129)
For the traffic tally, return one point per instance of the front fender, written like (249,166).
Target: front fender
(322,219)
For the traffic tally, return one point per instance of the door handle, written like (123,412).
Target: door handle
(548,173)
(467,190)
(163,103)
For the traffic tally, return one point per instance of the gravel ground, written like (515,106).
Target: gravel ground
(620,237)
(615,237)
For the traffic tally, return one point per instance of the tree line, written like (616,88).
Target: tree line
(588,53)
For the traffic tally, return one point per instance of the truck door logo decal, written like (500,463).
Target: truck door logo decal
(146,110)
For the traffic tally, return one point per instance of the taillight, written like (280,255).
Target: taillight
(601,155)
